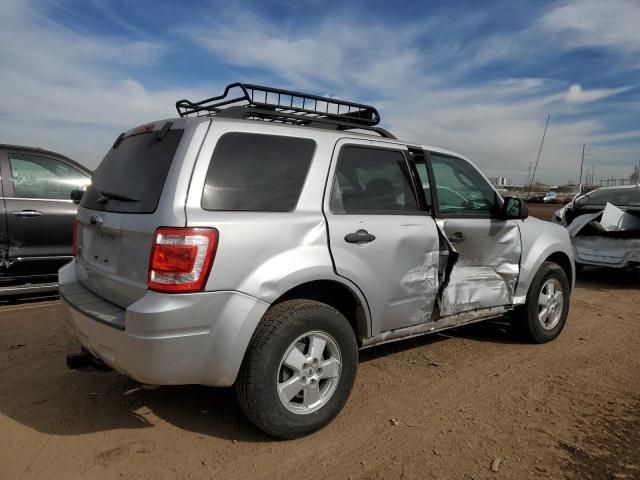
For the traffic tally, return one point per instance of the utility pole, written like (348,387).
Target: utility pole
(538,158)
(581,165)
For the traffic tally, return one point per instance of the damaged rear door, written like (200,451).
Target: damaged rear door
(488,247)
(381,235)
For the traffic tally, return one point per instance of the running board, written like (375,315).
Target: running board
(28,288)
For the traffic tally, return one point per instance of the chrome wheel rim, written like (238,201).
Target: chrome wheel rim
(550,304)
(309,373)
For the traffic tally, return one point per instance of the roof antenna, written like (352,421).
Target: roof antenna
(538,159)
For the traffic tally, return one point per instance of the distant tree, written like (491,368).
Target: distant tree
(634,177)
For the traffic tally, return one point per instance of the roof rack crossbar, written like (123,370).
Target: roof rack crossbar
(301,105)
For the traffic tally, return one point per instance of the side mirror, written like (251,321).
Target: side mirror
(515,208)
(76,195)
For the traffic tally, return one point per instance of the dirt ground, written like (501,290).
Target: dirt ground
(543,211)
(445,406)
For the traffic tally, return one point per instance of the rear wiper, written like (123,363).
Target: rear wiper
(106,195)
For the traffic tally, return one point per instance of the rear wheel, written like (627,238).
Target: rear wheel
(544,314)
(299,369)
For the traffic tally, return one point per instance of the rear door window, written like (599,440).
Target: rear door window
(255,172)
(131,176)
(372,181)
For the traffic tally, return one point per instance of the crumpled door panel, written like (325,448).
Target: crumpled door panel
(486,271)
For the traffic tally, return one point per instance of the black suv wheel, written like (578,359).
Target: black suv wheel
(544,314)
(299,369)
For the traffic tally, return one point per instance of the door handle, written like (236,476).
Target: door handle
(27,213)
(359,236)
(456,237)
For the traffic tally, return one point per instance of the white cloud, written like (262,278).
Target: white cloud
(498,124)
(576,94)
(74,92)
(608,23)
(71,92)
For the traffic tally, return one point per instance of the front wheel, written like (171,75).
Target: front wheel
(544,314)
(299,369)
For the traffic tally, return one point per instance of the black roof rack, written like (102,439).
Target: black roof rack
(285,106)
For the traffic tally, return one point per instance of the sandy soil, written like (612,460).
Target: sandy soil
(543,211)
(442,406)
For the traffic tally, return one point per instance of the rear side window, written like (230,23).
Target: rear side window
(131,177)
(372,181)
(254,172)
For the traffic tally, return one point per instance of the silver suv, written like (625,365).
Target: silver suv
(265,236)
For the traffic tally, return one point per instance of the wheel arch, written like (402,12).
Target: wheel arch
(343,298)
(563,261)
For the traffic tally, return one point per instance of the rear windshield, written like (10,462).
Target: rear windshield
(131,177)
(255,172)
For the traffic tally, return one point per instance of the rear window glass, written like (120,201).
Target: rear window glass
(254,172)
(132,175)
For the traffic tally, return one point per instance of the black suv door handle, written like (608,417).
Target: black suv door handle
(360,236)
(456,237)
(26,213)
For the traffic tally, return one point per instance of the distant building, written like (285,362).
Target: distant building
(500,181)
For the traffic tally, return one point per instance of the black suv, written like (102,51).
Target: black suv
(36,216)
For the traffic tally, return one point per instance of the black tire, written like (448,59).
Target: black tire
(256,386)
(527,321)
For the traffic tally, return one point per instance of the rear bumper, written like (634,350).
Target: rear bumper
(164,339)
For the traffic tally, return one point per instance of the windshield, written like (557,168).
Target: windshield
(131,176)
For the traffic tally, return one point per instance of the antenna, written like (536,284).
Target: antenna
(538,159)
(581,165)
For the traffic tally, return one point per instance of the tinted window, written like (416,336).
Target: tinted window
(46,178)
(253,172)
(629,196)
(460,188)
(371,180)
(135,170)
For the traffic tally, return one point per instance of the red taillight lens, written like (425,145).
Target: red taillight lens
(74,242)
(181,258)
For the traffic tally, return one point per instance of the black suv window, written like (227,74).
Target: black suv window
(131,176)
(42,177)
(255,172)
(372,180)
(460,188)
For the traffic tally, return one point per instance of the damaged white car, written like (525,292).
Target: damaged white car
(604,226)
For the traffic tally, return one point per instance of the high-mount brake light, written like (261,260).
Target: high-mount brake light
(181,259)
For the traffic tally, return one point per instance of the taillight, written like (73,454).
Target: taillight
(181,258)
(74,242)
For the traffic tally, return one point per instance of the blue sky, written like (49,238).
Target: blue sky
(476,77)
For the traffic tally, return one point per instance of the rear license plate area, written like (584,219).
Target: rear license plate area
(100,249)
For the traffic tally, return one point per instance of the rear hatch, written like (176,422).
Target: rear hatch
(132,193)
